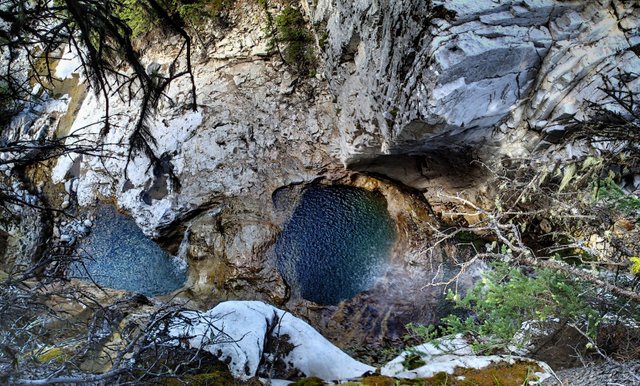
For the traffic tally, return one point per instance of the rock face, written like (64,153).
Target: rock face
(402,79)
(226,251)
(232,252)
(22,237)
(417,76)
(251,113)
(411,90)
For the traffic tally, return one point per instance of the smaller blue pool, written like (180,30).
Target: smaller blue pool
(118,255)
(337,242)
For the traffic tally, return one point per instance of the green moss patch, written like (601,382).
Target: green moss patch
(498,374)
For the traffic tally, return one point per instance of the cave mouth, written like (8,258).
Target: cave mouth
(117,254)
(336,243)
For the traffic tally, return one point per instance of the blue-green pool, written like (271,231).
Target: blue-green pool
(337,241)
(116,254)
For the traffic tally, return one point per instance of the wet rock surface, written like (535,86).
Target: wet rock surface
(231,256)
(225,248)
(22,238)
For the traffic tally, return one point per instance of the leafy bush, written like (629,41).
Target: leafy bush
(608,191)
(292,32)
(196,12)
(141,20)
(505,298)
(137,17)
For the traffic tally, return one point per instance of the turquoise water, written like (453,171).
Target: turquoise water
(336,243)
(118,255)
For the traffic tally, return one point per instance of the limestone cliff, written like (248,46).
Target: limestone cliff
(398,84)
(410,77)
(401,78)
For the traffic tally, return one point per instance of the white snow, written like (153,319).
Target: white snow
(316,356)
(236,331)
(68,65)
(445,355)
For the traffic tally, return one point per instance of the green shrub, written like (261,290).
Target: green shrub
(198,11)
(297,41)
(609,192)
(506,297)
(141,19)
(137,16)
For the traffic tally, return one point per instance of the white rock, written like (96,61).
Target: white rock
(502,50)
(87,223)
(68,186)
(65,204)
(69,64)
(67,239)
(36,89)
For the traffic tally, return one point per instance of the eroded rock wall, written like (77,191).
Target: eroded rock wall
(256,127)
(411,77)
(418,89)
(397,79)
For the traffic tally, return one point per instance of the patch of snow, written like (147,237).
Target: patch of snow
(447,354)
(89,116)
(236,331)
(69,64)
(316,356)
(64,164)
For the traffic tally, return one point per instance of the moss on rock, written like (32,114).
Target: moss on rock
(310,381)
